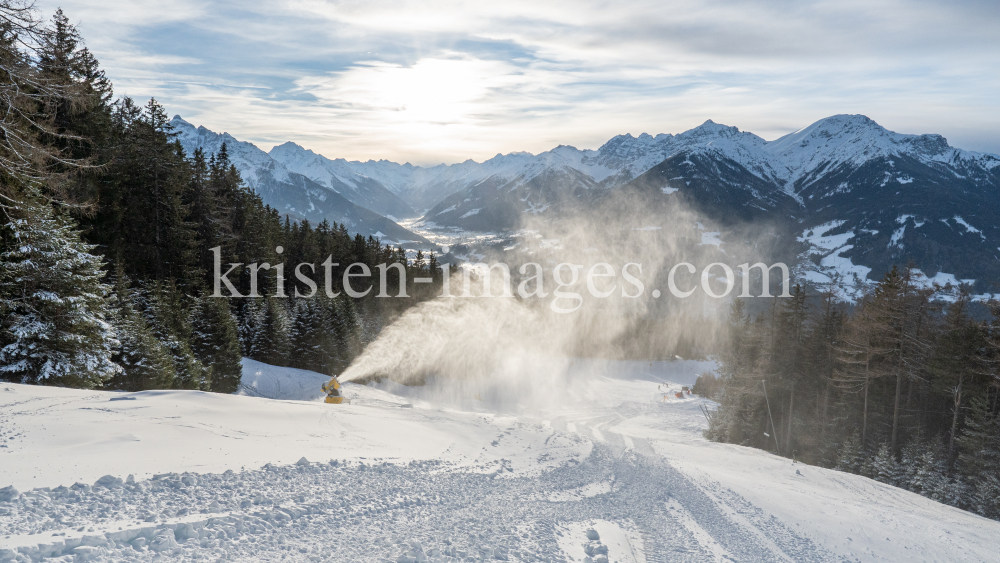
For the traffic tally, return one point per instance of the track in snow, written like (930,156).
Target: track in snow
(375,511)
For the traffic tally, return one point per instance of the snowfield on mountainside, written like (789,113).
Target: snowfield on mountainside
(613,469)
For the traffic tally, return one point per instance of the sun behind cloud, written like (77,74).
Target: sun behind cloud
(432,91)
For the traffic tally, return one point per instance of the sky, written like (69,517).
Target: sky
(435,81)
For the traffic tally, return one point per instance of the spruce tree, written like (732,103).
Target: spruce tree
(986,499)
(957,363)
(215,342)
(168,314)
(307,335)
(346,326)
(144,217)
(979,445)
(270,342)
(53,302)
(850,459)
(203,212)
(78,111)
(249,313)
(884,466)
(146,362)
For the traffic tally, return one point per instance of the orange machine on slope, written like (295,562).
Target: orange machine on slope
(333,394)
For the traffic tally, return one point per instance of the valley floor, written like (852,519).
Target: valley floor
(415,474)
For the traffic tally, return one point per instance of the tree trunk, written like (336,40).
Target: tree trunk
(899,367)
(864,419)
(954,418)
(895,412)
(788,435)
(909,394)
(826,405)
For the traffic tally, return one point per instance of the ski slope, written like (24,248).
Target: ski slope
(415,474)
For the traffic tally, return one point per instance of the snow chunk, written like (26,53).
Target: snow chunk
(108,482)
(8,494)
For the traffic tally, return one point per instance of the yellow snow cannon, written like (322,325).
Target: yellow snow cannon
(333,394)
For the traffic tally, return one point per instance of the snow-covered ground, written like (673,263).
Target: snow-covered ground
(614,467)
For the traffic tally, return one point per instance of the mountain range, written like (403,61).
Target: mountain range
(856,197)
(301,197)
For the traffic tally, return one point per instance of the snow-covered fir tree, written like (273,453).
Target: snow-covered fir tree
(53,302)
(167,310)
(146,362)
(215,342)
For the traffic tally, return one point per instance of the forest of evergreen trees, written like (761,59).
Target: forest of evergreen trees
(902,388)
(106,262)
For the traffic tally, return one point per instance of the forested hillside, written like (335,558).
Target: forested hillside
(904,389)
(106,260)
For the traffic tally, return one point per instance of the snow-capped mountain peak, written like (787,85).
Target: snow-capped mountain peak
(710,128)
(852,140)
(247,157)
(312,165)
(361,206)
(342,177)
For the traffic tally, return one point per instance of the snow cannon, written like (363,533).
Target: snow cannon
(333,394)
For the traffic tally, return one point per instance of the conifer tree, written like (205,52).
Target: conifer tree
(433,267)
(884,467)
(986,499)
(930,473)
(307,335)
(215,342)
(29,153)
(909,462)
(144,217)
(79,113)
(979,445)
(821,359)
(860,352)
(53,302)
(168,314)
(851,455)
(202,208)
(248,321)
(957,362)
(270,342)
(146,362)
(346,328)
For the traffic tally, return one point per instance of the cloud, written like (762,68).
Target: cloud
(442,81)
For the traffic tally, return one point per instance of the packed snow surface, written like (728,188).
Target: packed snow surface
(614,469)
